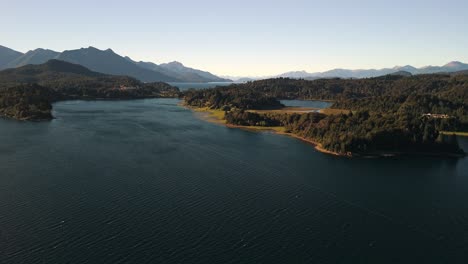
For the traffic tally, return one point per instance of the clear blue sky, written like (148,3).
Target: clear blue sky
(247,37)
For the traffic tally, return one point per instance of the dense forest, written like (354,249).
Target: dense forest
(358,133)
(432,93)
(26,102)
(27,89)
(231,97)
(390,114)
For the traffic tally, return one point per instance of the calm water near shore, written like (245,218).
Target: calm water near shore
(186,86)
(145,181)
(306,103)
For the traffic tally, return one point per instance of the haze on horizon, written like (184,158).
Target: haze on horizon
(247,38)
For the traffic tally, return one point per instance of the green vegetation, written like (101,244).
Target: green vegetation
(25,91)
(231,97)
(359,133)
(26,102)
(389,114)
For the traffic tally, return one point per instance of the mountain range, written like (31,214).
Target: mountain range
(109,62)
(454,66)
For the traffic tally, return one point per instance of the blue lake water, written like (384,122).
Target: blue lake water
(146,181)
(306,103)
(197,86)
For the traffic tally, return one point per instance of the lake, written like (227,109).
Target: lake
(146,181)
(306,103)
(197,86)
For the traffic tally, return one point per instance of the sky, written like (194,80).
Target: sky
(247,38)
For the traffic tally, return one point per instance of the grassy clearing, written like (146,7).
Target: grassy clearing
(212,115)
(462,134)
(276,129)
(217,116)
(331,111)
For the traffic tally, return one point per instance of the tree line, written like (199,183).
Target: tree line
(388,114)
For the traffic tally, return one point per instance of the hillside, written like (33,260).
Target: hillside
(54,72)
(111,63)
(107,61)
(184,72)
(181,72)
(7,55)
(37,56)
(26,91)
(64,76)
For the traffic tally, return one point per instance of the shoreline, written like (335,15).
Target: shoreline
(84,99)
(214,116)
(317,146)
(459,134)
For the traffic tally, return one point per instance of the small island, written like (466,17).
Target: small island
(382,116)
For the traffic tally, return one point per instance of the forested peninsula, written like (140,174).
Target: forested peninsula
(27,93)
(386,115)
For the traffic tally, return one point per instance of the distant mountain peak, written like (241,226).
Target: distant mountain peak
(8,55)
(296,74)
(453,64)
(174,63)
(41,50)
(37,56)
(403,67)
(401,73)
(108,62)
(8,50)
(186,73)
(90,48)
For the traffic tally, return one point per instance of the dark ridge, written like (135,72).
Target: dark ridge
(402,73)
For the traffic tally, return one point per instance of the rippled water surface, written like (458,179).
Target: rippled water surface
(145,181)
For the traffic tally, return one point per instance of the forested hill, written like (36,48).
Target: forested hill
(27,102)
(432,93)
(59,80)
(388,114)
(452,85)
(233,96)
(55,72)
